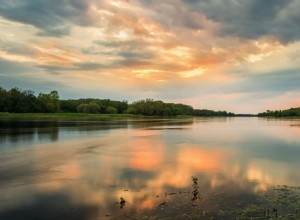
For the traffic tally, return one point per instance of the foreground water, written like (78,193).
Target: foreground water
(76,169)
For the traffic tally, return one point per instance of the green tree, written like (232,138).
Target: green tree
(15,98)
(4,100)
(20,101)
(121,106)
(69,105)
(111,110)
(81,108)
(91,108)
(48,102)
(130,110)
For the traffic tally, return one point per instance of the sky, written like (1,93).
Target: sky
(235,55)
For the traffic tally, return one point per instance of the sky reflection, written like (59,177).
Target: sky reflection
(146,166)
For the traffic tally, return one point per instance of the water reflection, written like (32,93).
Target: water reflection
(20,132)
(148,164)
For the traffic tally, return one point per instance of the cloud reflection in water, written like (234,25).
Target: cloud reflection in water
(146,167)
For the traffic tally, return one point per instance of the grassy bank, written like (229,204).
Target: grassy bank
(6,115)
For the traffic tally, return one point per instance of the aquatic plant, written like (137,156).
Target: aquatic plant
(195,187)
(122,202)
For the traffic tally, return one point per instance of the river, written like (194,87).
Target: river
(80,169)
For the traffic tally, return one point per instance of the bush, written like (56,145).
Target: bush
(91,108)
(111,110)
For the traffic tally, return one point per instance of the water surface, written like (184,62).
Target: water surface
(77,169)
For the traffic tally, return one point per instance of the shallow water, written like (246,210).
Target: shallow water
(77,169)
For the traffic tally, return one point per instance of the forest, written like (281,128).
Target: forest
(16,100)
(292,112)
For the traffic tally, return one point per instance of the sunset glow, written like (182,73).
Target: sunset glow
(174,51)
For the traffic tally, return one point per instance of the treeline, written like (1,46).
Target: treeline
(292,112)
(18,101)
(208,113)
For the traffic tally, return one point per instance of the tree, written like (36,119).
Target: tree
(4,100)
(14,102)
(20,101)
(69,105)
(48,102)
(91,108)
(121,106)
(130,110)
(81,108)
(111,110)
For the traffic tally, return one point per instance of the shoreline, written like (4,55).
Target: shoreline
(7,115)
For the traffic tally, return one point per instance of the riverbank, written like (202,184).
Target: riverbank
(63,115)
(70,117)
(6,115)
(46,116)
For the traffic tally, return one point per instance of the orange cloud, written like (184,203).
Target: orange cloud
(51,54)
(189,160)
(147,154)
(201,160)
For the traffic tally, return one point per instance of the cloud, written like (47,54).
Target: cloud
(16,48)
(252,19)
(57,69)
(275,82)
(52,18)
(11,68)
(129,44)
(242,19)
(57,31)
(26,76)
(172,49)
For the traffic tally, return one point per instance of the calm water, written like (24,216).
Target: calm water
(81,169)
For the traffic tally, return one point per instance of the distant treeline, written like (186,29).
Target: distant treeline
(18,101)
(292,112)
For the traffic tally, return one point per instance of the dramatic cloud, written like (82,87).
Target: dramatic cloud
(252,19)
(212,54)
(53,18)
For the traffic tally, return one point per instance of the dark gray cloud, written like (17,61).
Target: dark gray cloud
(125,59)
(125,54)
(133,62)
(142,55)
(58,69)
(11,68)
(52,18)
(278,82)
(89,66)
(173,15)
(16,48)
(243,19)
(55,31)
(13,74)
(252,19)
(129,44)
